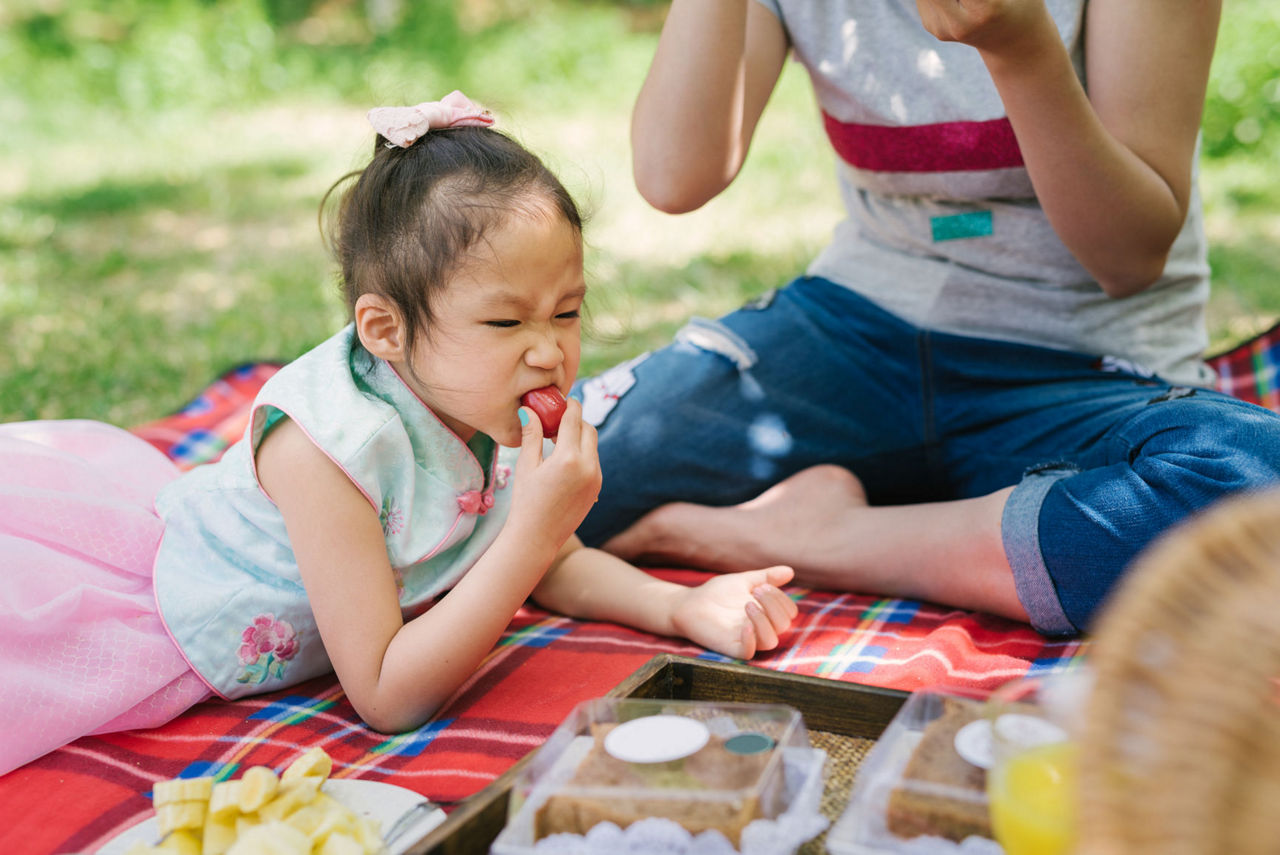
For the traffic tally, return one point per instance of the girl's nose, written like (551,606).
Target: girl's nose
(544,352)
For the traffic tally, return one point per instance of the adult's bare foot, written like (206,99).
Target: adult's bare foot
(786,524)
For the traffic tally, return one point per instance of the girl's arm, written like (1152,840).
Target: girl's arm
(716,64)
(1112,168)
(736,614)
(397,674)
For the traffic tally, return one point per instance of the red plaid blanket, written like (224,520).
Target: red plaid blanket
(80,796)
(76,798)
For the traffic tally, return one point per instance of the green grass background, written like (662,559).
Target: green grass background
(161,163)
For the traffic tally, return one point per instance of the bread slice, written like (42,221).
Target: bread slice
(941,793)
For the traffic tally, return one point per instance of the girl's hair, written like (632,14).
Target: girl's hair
(412,216)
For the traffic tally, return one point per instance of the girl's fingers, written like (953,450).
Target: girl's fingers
(584,436)
(590,440)
(530,441)
(779,575)
(777,605)
(766,637)
(570,432)
(747,638)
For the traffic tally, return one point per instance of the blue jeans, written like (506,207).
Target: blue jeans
(1102,460)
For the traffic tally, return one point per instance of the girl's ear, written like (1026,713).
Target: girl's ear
(380,327)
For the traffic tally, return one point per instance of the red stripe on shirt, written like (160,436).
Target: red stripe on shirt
(944,147)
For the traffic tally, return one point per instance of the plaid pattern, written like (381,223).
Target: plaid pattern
(78,797)
(213,420)
(1248,371)
(81,795)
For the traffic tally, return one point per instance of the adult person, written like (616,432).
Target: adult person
(987,391)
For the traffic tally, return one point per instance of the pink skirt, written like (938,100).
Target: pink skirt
(82,648)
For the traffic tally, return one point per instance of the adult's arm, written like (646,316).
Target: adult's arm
(716,65)
(1112,167)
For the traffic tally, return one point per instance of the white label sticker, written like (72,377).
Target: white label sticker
(973,743)
(656,739)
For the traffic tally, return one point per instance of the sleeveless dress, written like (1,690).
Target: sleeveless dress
(129,592)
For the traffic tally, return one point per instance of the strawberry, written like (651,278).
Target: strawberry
(549,405)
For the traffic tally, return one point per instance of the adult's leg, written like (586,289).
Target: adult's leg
(718,456)
(1071,531)
(1110,461)
(818,522)
(814,375)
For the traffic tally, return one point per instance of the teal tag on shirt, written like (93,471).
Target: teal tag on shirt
(970,225)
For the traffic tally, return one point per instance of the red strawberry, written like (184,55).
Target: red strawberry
(549,405)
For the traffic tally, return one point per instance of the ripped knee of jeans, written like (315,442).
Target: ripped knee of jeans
(1173,393)
(1052,468)
(715,337)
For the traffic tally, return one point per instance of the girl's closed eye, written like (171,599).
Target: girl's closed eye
(571,315)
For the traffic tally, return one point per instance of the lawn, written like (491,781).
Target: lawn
(162,164)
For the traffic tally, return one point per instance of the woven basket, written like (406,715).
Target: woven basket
(1180,750)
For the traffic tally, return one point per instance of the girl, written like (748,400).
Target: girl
(369,523)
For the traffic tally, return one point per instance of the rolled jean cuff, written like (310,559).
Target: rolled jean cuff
(1020,532)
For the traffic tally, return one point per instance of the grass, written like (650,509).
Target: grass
(156,229)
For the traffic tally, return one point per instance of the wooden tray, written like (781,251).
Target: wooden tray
(844,719)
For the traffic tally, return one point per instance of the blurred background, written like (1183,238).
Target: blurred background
(162,162)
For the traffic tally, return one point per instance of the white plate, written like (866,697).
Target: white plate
(383,802)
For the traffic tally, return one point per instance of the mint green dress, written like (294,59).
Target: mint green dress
(226,581)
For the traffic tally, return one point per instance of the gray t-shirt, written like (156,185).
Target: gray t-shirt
(943,228)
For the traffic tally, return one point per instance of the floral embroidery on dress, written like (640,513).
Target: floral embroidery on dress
(501,473)
(391,517)
(266,646)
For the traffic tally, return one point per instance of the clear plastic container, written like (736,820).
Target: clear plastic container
(958,770)
(706,767)
(923,787)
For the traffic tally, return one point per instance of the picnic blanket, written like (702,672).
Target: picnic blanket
(80,796)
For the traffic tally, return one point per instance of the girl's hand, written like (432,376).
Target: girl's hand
(736,614)
(989,25)
(553,495)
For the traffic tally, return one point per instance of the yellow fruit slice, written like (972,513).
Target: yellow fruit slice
(258,786)
(224,801)
(176,816)
(315,763)
(219,834)
(181,790)
(271,838)
(291,796)
(185,842)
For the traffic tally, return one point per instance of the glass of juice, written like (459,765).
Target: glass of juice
(1031,784)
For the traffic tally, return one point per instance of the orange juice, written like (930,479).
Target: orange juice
(1033,800)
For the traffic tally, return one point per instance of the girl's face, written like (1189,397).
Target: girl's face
(507,323)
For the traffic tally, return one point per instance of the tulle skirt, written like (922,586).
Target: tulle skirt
(82,648)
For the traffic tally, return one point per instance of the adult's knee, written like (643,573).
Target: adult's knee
(1202,449)
(1171,460)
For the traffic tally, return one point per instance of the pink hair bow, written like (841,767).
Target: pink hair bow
(402,126)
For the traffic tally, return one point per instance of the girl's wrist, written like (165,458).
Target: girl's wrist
(533,536)
(526,547)
(674,598)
